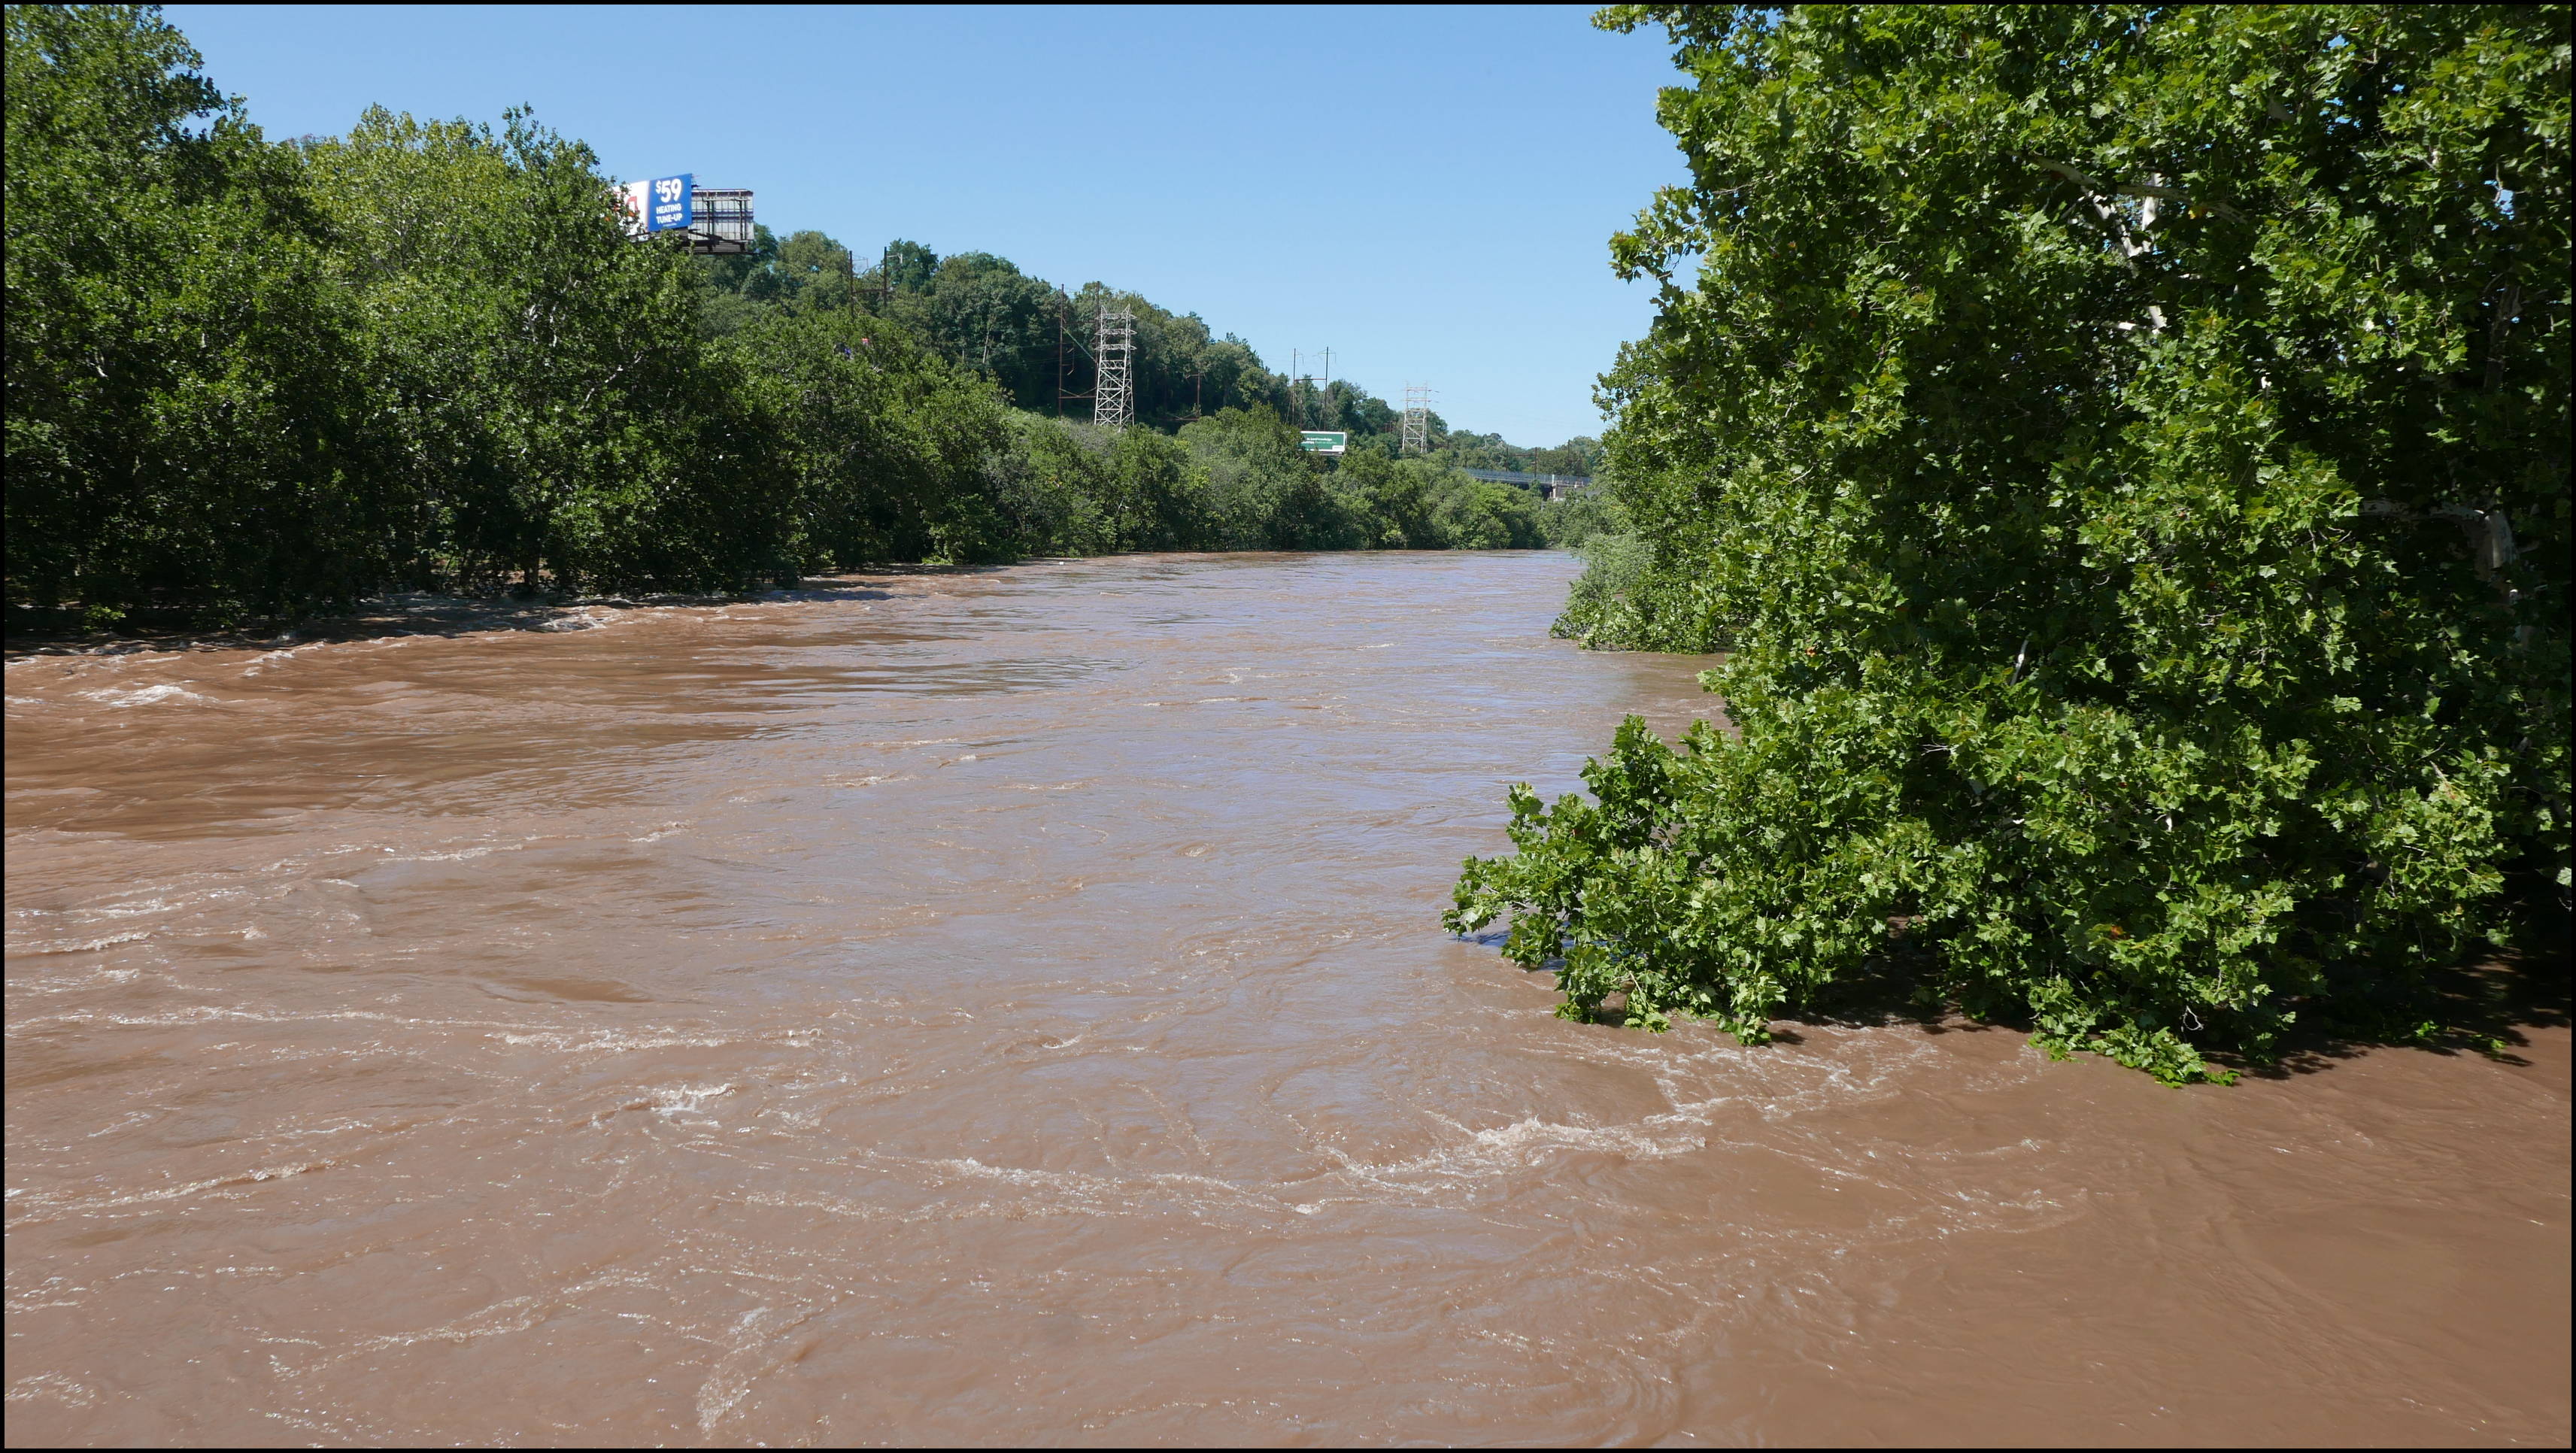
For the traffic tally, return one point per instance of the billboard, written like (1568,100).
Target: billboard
(1324,441)
(720,220)
(663,204)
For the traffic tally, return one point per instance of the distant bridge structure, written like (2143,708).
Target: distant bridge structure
(1549,486)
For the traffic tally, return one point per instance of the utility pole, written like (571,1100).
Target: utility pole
(1112,402)
(1301,384)
(1066,345)
(1417,419)
(850,304)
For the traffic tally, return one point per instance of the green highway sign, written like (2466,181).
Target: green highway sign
(1324,441)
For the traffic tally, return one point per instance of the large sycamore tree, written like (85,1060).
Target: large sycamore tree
(2124,450)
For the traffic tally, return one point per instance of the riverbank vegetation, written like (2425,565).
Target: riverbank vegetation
(251,379)
(2124,452)
(1030,337)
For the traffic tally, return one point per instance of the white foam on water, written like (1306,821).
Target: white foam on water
(144,695)
(687,1099)
(1525,1144)
(107,915)
(730,1379)
(80,946)
(501,1318)
(611,1041)
(60,1204)
(136,909)
(457,856)
(54,1386)
(99,978)
(1073,1192)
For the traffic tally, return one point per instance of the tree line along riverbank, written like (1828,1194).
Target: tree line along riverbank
(249,379)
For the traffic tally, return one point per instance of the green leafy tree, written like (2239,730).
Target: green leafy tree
(889,450)
(1225,373)
(1580,456)
(1081,490)
(541,377)
(1066,497)
(2126,450)
(1478,514)
(814,271)
(1398,498)
(1251,461)
(181,426)
(985,314)
(1157,495)
(913,264)
(1577,518)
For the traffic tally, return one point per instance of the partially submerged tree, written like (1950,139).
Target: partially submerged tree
(2125,449)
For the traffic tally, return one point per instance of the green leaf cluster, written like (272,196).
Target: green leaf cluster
(2124,452)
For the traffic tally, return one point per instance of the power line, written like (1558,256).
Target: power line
(1302,386)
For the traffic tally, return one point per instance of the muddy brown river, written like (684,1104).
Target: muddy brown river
(1011,1007)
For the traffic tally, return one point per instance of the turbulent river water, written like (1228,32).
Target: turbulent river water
(1011,1007)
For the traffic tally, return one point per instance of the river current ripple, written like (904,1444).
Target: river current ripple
(1010,1007)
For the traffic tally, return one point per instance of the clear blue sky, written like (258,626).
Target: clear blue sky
(1429,192)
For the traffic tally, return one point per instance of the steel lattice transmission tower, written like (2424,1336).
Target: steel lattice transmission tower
(1417,419)
(1112,401)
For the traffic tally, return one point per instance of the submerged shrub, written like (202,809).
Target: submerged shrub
(2124,450)
(1602,608)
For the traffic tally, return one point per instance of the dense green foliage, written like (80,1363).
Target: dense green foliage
(981,312)
(174,345)
(2124,451)
(248,379)
(531,389)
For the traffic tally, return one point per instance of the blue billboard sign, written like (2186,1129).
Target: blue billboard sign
(670,202)
(664,204)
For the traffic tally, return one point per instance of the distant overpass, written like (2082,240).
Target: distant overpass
(1549,486)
